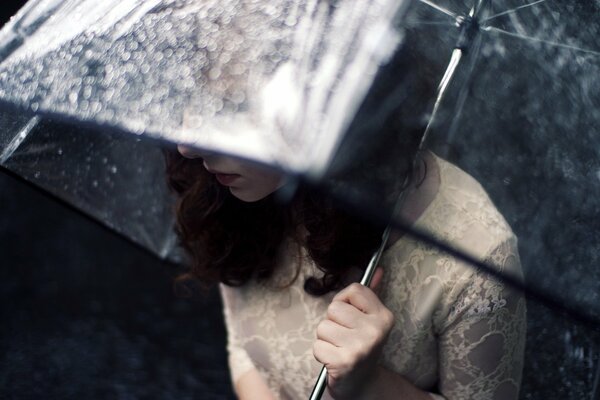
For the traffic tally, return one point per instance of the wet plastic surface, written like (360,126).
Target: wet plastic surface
(280,84)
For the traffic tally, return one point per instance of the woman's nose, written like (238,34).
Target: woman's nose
(189,152)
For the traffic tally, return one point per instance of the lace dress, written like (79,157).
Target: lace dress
(458,333)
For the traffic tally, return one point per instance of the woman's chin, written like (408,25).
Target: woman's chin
(247,196)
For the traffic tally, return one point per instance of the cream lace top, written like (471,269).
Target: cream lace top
(458,333)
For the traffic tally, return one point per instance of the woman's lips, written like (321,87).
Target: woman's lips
(226,179)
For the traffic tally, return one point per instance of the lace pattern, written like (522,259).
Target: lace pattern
(458,333)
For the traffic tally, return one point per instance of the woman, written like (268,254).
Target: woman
(429,327)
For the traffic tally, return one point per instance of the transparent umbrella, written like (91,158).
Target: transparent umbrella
(169,70)
(308,87)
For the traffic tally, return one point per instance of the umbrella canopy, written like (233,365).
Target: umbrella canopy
(262,81)
(267,82)
(312,88)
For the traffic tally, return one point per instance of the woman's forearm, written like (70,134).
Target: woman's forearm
(251,386)
(385,384)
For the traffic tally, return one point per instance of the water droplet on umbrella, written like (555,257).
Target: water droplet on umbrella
(214,73)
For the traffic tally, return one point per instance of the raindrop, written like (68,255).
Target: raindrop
(506,181)
(60,152)
(598,174)
(37,174)
(214,73)
(104,160)
(113,169)
(225,58)
(35,106)
(291,20)
(87,92)
(95,183)
(237,69)
(238,97)
(211,46)
(73,97)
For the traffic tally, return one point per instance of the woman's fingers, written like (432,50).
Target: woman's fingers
(376,280)
(344,314)
(360,297)
(334,333)
(329,354)
(350,339)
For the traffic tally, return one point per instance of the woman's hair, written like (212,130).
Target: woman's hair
(231,241)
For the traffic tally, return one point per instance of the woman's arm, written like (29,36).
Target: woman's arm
(251,386)
(385,384)
(349,342)
(480,345)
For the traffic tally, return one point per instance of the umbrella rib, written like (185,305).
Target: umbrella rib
(439,8)
(18,139)
(416,22)
(513,10)
(534,39)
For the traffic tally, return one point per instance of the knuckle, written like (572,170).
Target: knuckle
(371,331)
(355,288)
(317,347)
(333,309)
(388,318)
(347,361)
(320,329)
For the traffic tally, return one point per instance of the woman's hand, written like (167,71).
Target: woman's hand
(350,339)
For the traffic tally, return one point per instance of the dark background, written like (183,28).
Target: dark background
(86,315)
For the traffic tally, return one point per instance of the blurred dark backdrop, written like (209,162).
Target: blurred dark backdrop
(86,315)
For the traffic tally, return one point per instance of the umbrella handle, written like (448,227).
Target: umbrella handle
(321,382)
(320,385)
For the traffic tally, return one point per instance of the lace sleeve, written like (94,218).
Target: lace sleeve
(481,346)
(238,359)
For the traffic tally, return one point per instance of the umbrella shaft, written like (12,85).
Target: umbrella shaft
(320,385)
(321,382)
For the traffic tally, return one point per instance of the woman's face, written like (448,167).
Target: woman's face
(246,181)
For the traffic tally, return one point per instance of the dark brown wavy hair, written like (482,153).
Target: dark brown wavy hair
(232,242)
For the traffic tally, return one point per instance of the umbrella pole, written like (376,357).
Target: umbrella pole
(469,28)
(321,383)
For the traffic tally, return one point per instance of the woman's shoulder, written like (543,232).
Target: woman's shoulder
(463,215)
